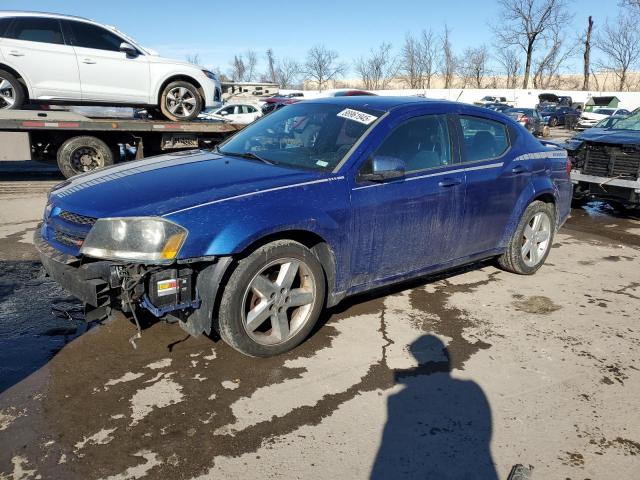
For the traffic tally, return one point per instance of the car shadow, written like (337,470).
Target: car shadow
(437,426)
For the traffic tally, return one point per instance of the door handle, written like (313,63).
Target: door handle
(16,53)
(518,169)
(89,61)
(449,182)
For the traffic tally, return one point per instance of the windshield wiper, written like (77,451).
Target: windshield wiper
(249,155)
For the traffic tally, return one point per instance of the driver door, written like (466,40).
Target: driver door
(408,224)
(106,73)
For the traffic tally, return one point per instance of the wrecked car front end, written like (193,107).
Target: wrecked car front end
(128,263)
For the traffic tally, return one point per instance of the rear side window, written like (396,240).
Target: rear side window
(87,35)
(483,138)
(42,30)
(422,143)
(4,25)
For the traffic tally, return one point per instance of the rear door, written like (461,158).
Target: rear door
(106,73)
(35,47)
(494,182)
(408,224)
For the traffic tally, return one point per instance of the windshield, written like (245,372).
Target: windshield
(303,135)
(604,111)
(629,123)
(548,109)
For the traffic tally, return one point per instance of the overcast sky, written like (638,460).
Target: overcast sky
(217,30)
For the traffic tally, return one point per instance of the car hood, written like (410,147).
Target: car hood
(173,61)
(162,185)
(606,135)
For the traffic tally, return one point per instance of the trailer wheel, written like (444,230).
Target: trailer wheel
(83,154)
(11,92)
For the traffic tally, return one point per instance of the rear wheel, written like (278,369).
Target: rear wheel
(553,122)
(180,101)
(530,244)
(11,92)
(272,300)
(83,154)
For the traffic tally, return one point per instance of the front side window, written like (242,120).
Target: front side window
(484,139)
(305,135)
(41,30)
(422,143)
(87,35)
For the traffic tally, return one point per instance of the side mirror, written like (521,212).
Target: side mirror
(129,49)
(385,168)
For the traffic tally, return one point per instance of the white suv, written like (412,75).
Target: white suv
(59,59)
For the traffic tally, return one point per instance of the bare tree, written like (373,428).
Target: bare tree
(378,69)
(448,60)
(632,4)
(287,72)
(525,23)
(547,70)
(193,58)
(251,62)
(322,65)
(474,65)
(410,64)
(238,69)
(620,44)
(428,57)
(587,54)
(510,64)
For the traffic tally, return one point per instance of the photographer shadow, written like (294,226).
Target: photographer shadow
(437,427)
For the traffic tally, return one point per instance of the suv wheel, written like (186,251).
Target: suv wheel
(180,101)
(531,242)
(11,92)
(272,300)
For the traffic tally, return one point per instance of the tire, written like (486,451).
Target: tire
(180,101)
(553,122)
(83,154)
(11,92)
(515,259)
(255,289)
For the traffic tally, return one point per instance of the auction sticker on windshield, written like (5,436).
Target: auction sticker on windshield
(357,116)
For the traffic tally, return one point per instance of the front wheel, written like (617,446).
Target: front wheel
(180,102)
(272,300)
(553,122)
(530,244)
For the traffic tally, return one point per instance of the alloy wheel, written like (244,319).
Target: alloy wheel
(278,301)
(535,239)
(7,94)
(181,102)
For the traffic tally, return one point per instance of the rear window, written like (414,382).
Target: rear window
(42,30)
(4,25)
(484,139)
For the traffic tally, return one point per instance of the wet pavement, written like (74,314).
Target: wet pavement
(457,376)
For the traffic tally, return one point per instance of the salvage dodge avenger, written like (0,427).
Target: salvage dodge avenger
(317,201)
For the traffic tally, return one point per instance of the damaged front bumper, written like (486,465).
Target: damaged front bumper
(183,292)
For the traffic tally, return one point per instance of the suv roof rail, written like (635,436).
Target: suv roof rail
(30,12)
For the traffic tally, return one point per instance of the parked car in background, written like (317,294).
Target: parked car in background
(607,162)
(318,201)
(529,118)
(346,93)
(498,107)
(558,115)
(490,99)
(273,104)
(590,119)
(551,99)
(235,113)
(59,59)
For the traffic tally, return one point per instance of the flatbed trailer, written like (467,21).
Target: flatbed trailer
(79,144)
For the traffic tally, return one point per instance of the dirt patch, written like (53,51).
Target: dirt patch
(536,304)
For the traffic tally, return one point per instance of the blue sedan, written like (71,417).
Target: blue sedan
(318,201)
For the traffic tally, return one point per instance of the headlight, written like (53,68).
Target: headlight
(211,75)
(144,239)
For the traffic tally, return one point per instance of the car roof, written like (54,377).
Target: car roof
(377,102)
(25,13)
